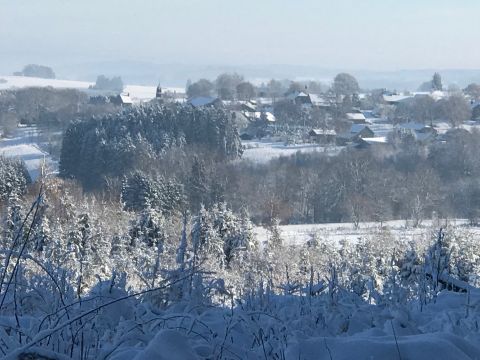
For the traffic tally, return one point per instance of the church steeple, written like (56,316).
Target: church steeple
(158,95)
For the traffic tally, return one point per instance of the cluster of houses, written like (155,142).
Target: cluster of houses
(362,135)
(124,99)
(364,128)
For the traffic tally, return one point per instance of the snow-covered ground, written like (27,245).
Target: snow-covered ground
(335,233)
(262,151)
(294,328)
(22,145)
(443,127)
(137,92)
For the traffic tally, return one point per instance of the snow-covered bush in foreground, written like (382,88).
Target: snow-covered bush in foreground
(75,286)
(107,324)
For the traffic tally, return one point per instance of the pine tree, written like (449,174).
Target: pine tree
(171,196)
(13,232)
(207,241)
(198,189)
(14,178)
(437,261)
(139,192)
(248,239)
(41,235)
(437,82)
(275,241)
(147,239)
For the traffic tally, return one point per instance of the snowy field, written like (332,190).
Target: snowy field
(22,146)
(335,233)
(264,150)
(137,92)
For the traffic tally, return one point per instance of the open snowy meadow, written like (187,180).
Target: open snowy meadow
(138,93)
(336,233)
(262,151)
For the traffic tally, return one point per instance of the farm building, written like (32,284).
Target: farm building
(322,136)
(122,99)
(422,133)
(356,117)
(357,131)
(366,143)
(299,98)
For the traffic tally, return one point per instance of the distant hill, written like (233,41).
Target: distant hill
(176,75)
(147,73)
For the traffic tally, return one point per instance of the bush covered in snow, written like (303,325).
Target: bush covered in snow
(87,281)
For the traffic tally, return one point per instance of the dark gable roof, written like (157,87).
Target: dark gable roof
(199,101)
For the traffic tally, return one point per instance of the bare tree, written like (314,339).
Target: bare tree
(345,84)
(455,109)
(245,91)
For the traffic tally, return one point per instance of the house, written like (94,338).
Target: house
(322,136)
(299,98)
(121,100)
(248,106)
(252,124)
(267,116)
(357,117)
(395,99)
(366,143)
(240,120)
(370,114)
(205,101)
(421,132)
(357,131)
(320,101)
(126,99)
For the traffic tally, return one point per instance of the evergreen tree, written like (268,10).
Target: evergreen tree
(198,189)
(437,261)
(80,244)
(13,233)
(437,82)
(139,192)
(147,240)
(14,178)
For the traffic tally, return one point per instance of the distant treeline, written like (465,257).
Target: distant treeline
(104,83)
(34,70)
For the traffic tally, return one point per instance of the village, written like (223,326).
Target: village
(281,118)
(303,120)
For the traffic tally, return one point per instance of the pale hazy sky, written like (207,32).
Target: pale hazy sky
(351,34)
